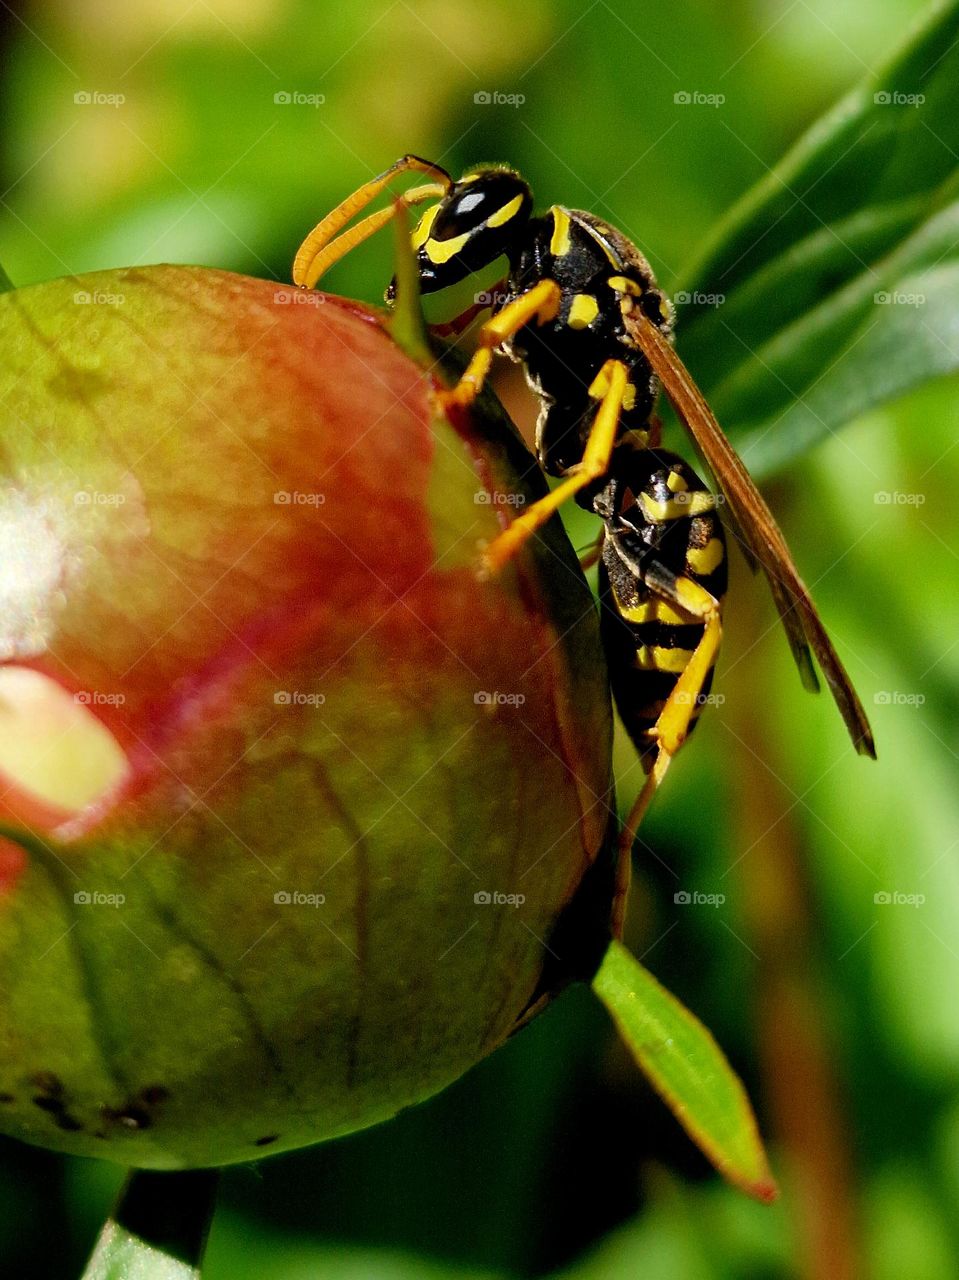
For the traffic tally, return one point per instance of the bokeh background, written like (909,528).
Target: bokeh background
(217,132)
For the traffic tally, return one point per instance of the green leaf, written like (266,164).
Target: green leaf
(159,1229)
(830,287)
(406,323)
(6,284)
(687,1069)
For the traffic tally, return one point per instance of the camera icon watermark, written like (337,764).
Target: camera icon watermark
(298,298)
(94,898)
(295,898)
(94,98)
(898,498)
(484,498)
(698,299)
(493,898)
(895,898)
(295,98)
(695,98)
(485,698)
(94,698)
(294,698)
(295,498)
(494,98)
(693,898)
(898,698)
(898,298)
(893,98)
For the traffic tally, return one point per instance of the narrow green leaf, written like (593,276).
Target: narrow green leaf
(830,286)
(159,1229)
(407,323)
(687,1069)
(6,284)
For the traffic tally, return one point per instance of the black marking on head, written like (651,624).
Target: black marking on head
(476,222)
(265,1141)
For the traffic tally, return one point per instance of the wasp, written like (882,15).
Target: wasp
(580,309)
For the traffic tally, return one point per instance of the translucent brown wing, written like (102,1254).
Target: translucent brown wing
(803,625)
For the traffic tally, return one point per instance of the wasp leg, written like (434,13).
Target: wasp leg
(609,386)
(323,246)
(672,727)
(540,303)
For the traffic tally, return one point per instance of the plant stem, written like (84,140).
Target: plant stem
(159,1228)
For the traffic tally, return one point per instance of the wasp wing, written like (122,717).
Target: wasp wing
(800,618)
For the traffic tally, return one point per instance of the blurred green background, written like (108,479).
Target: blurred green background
(217,132)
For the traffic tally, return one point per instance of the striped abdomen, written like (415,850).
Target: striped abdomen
(662,529)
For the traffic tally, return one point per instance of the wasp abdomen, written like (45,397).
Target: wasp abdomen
(662,575)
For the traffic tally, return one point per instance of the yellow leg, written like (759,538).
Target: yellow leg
(609,386)
(541,303)
(321,248)
(672,727)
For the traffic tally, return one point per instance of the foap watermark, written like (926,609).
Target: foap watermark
(97,298)
(296,898)
(95,898)
(700,699)
(297,98)
(898,698)
(97,498)
(96,98)
(695,98)
(894,98)
(295,698)
(898,298)
(693,898)
(496,98)
(695,497)
(493,898)
(298,298)
(698,299)
(484,498)
(898,498)
(894,898)
(296,498)
(492,298)
(96,698)
(496,699)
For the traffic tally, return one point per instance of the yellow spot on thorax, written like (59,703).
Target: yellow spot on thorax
(583,310)
(560,240)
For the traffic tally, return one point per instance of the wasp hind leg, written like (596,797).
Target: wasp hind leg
(609,387)
(679,710)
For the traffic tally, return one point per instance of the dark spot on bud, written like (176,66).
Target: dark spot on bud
(7,1097)
(48,1083)
(154,1094)
(265,1142)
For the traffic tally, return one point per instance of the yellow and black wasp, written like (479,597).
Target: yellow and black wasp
(580,309)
